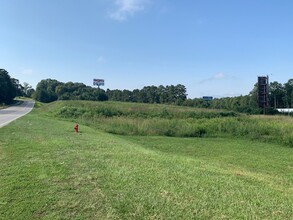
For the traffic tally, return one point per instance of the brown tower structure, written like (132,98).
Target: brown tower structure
(263,92)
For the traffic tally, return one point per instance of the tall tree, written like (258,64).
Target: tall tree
(27,89)
(180,94)
(18,87)
(8,90)
(46,90)
(289,93)
(277,95)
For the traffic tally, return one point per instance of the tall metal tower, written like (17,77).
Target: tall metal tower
(263,92)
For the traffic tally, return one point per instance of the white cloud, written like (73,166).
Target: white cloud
(126,8)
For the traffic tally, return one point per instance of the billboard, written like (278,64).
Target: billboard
(98,82)
(207,98)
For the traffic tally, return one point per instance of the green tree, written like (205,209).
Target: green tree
(277,95)
(289,93)
(114,95)
(180,94)
(30,92)
(27,90)
(135,95)
(18,87)
(126,96)
(8,89)
(46,90)
(162,94)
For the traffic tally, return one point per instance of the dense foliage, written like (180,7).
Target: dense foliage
(244,104)
(151,94)
(10,88)
(50,90)
(281,95)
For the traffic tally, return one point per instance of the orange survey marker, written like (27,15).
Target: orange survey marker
(76,128)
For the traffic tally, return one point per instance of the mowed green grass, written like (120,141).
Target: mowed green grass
(48,172)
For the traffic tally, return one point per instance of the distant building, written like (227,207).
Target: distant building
(285,110)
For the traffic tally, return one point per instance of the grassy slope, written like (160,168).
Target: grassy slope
(48,172)
(175,121)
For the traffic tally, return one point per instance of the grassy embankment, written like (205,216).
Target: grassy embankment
(175,121)
(48,172)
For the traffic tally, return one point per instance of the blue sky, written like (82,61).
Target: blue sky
(213,47)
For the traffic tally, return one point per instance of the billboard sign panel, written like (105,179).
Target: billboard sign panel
(207,98)
(98,82)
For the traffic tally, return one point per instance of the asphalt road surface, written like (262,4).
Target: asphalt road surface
(12,113)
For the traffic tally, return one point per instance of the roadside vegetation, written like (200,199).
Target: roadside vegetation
(169,120)
(11,88)
(49,172)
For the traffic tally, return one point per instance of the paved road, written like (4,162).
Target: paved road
(14,112)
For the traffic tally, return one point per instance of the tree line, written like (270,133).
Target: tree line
(280,96)
(49,90)
(151,94)
(10,88)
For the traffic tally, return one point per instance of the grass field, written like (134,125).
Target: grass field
(48,172)
(173,121)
